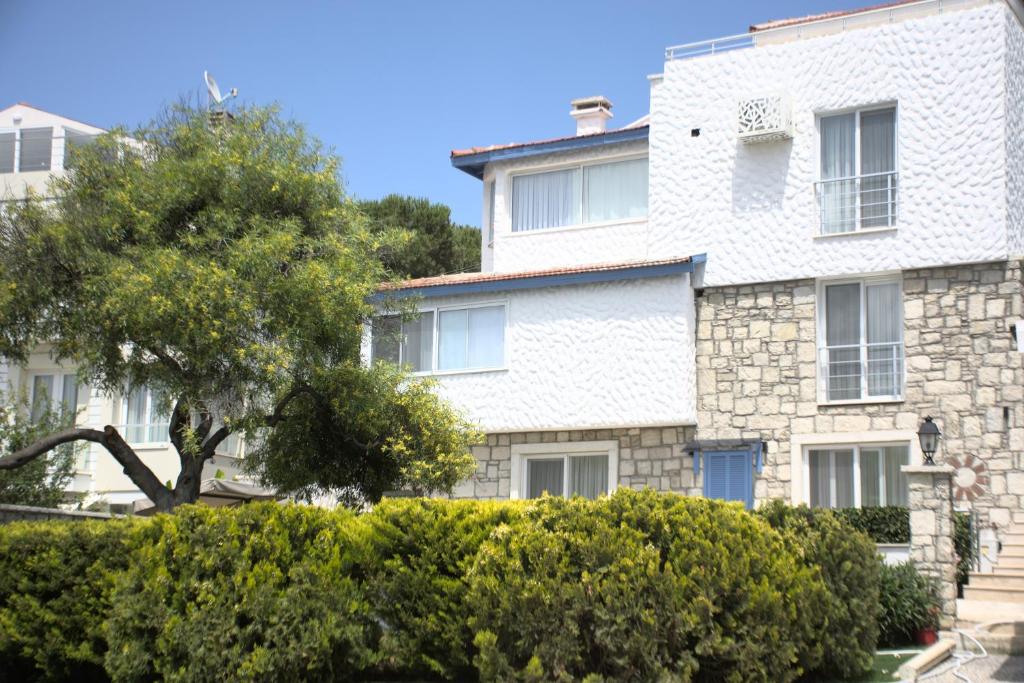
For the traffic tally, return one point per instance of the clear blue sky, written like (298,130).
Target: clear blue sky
(392,87)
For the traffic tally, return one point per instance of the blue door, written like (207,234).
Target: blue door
(728,475)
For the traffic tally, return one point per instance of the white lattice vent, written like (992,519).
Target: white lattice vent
(766,118)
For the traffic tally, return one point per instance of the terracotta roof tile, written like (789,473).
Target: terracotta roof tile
(465,278)
(779,23)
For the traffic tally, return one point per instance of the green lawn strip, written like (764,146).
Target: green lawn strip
(885,667)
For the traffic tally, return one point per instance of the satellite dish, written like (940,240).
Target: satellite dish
(211,88)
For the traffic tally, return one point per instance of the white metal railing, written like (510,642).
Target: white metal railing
(852,372)
(814,27)
(857,202)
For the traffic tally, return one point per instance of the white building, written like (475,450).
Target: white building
(761,290)
(34,145)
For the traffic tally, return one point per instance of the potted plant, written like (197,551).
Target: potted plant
(928,631)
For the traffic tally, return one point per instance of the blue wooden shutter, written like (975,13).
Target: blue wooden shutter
(716,476)
(739,476)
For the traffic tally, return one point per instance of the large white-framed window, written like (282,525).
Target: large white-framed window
(54,391)
(444,339)
(860,324)
(35,149)
(144,419)
(585,468)
(858,180)
(855,475)
(583,194)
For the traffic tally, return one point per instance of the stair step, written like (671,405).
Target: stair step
(982,611)
(1013,538)
(994,594)
(1009,562)
(1011,550)
(998,579)
(1009,571)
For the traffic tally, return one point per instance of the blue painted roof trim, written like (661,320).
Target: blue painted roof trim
(542,281)
(473,164)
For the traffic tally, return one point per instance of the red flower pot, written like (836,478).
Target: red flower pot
(927,636)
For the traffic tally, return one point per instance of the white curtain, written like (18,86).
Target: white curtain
(418,342)
(885,360)
(135,416)
(838,166)
(615,191)
(842,328)
(819,474)
(69,395)
(452,333)
(486,337)
(895,480)
(544,475)
(42,396)
(588,475)
(878,156)
(546,200)
(844,478)
(870,477)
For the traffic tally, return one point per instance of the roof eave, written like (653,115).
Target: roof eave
(474,164)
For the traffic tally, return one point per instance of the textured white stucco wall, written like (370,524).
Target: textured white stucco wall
(752,208)
(1015,131)
(602,355)
(558,246)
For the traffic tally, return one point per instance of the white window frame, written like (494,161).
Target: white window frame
(858,111)
(521,453)
(856,448)
(123,412)
(57,400)
(545,168)
(822,339)
(437,310)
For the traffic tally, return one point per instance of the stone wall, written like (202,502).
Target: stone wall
(648,456)
(757,373)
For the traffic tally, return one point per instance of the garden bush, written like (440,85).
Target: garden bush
(850,567)
(640,586)
(262,592)
(887,524)
(55,590)
(908,603)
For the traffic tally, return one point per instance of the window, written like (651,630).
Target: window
(567,475)
(468,338)
(145,419)
(490,213)
(856,476)
(584,194)
(57,392)
(858,182)
(8,142)
(36,149)
(73,140)
(862,353)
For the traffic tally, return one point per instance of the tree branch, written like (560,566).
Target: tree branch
(166,358)
(210,447)
(48,443)
(179,418)
(278,413)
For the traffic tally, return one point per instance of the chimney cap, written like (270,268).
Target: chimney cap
(593,102)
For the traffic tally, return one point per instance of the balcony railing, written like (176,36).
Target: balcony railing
(853,372)
(857,202)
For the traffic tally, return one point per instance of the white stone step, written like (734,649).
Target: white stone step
(1009,571)
(997,579)
(983,611)
(1004,562)
(1014,537)
(994,594)
(1011,550)
(1005,638)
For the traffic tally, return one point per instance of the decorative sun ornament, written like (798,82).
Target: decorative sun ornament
(970,477)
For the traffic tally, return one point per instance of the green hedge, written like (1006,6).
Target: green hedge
(848,562)
(637,586)
(888,524)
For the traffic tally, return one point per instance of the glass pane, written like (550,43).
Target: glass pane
(878,166)
(36,149)
(844,479)
(870,477)
(159,419)
(490,212)
(135,416)
(546,200)
(544,476)
(418,349)
(895,480)
(615,191)
(385,338)
(885,350)
(819,479)
(73,140)
(42,396)
(452,333)
(486,337)
(69,396)
(7,152)
(838,189)
(588,475)
(842,334)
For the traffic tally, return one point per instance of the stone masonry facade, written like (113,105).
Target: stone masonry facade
(648,457)
(757,374)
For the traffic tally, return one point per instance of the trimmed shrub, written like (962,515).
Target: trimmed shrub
(414,556)
(907,601)
(263,592)
(887,524)
(55,590)
(640,586)
(850,567)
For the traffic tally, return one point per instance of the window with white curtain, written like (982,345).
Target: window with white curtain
(567,475)
(57,392)
(856,476)
(861,356)
(144,417)
(591,193)
(858,185)
(467,338)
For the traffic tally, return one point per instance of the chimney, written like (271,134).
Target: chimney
(591,114)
